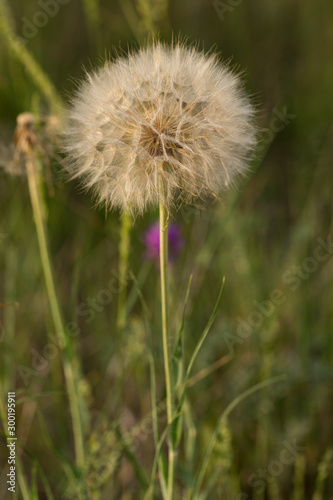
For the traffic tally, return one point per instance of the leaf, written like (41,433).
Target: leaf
(22,483)
(46,484)
(177,366)
(150,491)
(204,334)
(162,461)
(177,358)
(322,474)
(198,347)
(34,491)
(139,471)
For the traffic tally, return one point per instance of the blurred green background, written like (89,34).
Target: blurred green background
(269,224)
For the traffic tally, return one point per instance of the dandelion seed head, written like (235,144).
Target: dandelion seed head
(25,119)
(169,116)
(25,142)
(25,139)
(12,153)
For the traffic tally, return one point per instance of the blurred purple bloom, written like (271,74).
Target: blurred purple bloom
(151,240)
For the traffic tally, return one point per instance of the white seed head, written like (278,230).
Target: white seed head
(164,116)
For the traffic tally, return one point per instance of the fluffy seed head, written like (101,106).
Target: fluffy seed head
(165,121)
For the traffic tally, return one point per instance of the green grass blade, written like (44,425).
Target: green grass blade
(92,14)
(21,53)
(323,471)
(139,471)
(34,491)
(132,18)
(191,435)
(140,279)
(24,489)
(150,491)
(47,488)
(224,416)
(177,357)
(177,366)
(177,426)
(198,347)
(299,478)
(273,490)
(204,334)
(161,462)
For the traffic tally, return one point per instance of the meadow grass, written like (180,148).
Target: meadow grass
(262,238)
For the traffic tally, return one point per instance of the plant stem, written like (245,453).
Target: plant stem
(92,14)
(36,202)
(124,247)
(20,52)
(165,333)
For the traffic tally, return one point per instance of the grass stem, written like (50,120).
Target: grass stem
(124,250)
(17,48)
(36,202)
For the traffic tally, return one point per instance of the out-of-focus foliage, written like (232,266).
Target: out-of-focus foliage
(271,238)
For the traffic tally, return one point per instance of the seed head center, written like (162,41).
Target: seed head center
(159,139)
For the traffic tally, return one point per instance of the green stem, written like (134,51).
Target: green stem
(124,247)
(165,333)
(36,202)
(24,489)
(92,14)
(19,50)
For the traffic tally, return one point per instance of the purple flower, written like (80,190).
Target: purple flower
(151,240)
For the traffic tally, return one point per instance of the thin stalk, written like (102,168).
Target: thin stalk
(132,18)
(92,12)
(9,316)
(36,202)
(154,410)
(137,467)
(165,333)
(24,489)
(124,248)
(17,47)
(122,312)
